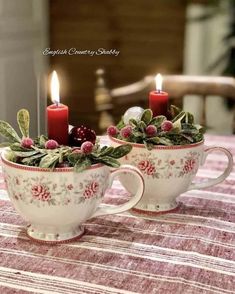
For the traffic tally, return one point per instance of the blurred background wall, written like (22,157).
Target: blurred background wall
(148,34)
(170,37)
(209,50)
(23,35)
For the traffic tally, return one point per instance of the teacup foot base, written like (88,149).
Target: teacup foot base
(150,213)
(54,238)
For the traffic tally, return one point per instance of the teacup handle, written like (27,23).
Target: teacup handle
(219,179)
(134,199)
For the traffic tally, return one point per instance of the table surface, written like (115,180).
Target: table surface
(191,251)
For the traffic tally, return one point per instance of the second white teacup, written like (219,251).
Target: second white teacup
(168,171)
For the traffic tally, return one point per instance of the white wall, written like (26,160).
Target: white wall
(23,35)
(203,46)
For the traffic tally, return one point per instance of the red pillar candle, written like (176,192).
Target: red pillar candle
(57,123)
(158,100)
(57,115)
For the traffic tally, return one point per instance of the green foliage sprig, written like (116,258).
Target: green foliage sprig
(183,129)
(63,156)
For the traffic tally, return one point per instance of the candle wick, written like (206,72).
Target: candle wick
(158,91)
(56,103)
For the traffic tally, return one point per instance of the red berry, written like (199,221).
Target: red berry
(51,144)
(87,147)
(81,134)
(166,126)
(151,130)
(27,142)
(126,132)
(112,131)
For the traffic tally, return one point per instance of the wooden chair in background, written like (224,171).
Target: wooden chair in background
(111,103)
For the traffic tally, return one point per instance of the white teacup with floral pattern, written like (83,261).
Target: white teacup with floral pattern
(56,203)
(168,171)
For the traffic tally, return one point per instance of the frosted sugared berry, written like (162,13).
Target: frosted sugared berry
(166,126)
(81,134)
(112,131)
(51,144)
(87,147)
(151,130)
(27,142)
(126,132)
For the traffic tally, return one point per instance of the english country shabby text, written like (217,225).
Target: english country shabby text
(75,51)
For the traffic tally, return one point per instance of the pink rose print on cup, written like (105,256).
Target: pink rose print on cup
(150,170)
(40,192)
(189,165)
(91,190)
(70,187)
(16,181)
(146,167)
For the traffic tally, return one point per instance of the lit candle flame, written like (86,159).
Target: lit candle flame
(158,80)
(55,88)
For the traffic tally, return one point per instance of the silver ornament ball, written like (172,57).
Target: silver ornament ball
(133,112)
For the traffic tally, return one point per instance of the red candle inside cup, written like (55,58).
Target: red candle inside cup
(57,115)
(158,100)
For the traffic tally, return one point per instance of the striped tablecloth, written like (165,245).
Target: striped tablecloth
(191,251)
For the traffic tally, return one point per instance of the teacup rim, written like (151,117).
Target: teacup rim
(36,168)
(157,147)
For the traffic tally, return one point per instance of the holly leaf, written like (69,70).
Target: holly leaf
(107,151)
(49,160)
(23,122)
(121,124)
(18,147)
(147,116)
(165,141)
(188,137)
(42,140)
(82,164)
(189,131)
(198,137)
(179,117)
(74,157)
(155,140)
(189,118)
(7,131)
(25,153)
(102,149)
(137,135)
(121,151)
(30,160)
(175,130)
(158,120)
(174,111)
(200,129)
(10,155)
(148,145)
(133,122)
(142,126)
(107,160)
